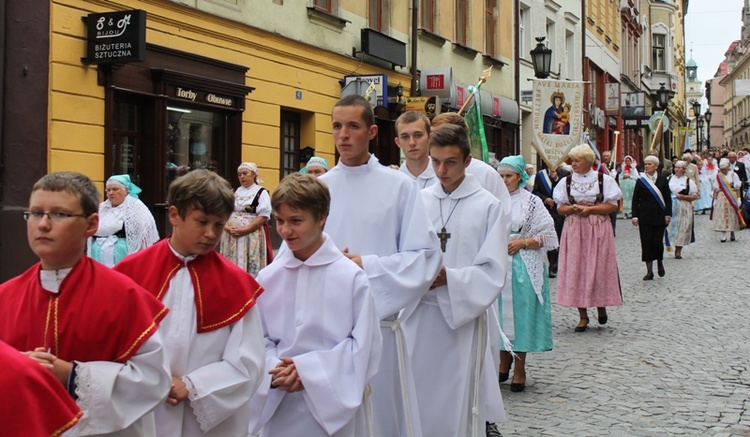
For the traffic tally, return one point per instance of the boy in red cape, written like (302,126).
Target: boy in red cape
(213,333)
(95,330)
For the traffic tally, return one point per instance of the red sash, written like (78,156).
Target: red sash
(98,315)
(34,401)
(726,189)
(223,292)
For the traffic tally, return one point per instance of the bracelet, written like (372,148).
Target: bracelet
(526,243)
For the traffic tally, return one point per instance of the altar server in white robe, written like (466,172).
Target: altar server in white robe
(412,136)
(321,329)
(213,333)
(450,325)
(378,220)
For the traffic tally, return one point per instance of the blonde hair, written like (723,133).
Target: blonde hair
(303,193)
(582,151)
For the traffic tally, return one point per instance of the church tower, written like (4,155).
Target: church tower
(692,84)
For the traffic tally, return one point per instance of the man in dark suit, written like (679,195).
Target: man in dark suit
(544,185)
(739,168)
(652,211)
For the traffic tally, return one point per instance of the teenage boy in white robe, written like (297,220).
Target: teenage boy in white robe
(450,325)
(321,330)
(412,136)
(378,220)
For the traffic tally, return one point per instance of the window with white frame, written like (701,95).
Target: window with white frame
(550,34)
(659,60)
(570,54)
(524,36)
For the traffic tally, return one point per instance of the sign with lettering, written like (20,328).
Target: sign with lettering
(381,86)
(116,37)
(429,106)
(557,122)
(436,82)
(189,94)
(636,123)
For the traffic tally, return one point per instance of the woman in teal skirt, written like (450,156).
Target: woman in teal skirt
(525,312)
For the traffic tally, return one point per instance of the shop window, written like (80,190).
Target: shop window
(428,15)
(290,143)
(193,139)
(127,138)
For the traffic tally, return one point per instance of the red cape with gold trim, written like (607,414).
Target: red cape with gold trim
(34,403)
(223,292)
(98,314)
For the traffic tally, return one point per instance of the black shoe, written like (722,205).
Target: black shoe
(723,240)
(504,376)
(732,237)
(648,277)
(517,387)
(580,328)
(660,270)
(678,257)
(492,430)
(552,274)
(603,317)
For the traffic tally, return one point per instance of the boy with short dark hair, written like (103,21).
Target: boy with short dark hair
(412,135)
(95,330)
(455,324)
(321,329)
(213,333)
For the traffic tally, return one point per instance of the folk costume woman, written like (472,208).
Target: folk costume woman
(526,315)
(627,178)
(705,188)
(726,213)
(684,192)
(246,240)
(125,223)
(587,271)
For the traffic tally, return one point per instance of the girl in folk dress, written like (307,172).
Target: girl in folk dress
(684,192)
(246,241)
(705,189)
(527,308)
(627,178)
(726,187)
(587,271)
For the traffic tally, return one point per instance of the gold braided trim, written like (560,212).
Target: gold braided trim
(166,281)
(143,334)
(68,425)
(244,307)
(46,321)
(57,337)
(200,295)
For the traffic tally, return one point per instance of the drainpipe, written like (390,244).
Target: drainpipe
(414,38)
(517,62)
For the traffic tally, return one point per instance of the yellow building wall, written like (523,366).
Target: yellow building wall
(278,68)
(603,19)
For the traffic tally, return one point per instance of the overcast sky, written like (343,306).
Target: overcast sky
(710,26)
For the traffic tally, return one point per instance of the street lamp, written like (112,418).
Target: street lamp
(707,116)
(696,107)
(663,96)
(699,126)
(541,58)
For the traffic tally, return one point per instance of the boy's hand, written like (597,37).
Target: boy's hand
(440,280)
(59,368)
(356,258)
(285,377)
(178,392)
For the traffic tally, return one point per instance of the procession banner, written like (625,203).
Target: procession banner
(474,121)
(558,118)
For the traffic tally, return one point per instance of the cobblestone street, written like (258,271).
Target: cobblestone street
(672,360)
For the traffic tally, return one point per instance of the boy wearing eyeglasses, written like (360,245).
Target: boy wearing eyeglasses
(94,329)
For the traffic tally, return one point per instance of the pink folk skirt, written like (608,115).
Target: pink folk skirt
(587,274)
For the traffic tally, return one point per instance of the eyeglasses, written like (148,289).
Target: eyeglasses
(55,216)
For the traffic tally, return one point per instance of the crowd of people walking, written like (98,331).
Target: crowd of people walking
(398,304)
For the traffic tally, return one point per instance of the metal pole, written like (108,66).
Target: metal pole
(414,38)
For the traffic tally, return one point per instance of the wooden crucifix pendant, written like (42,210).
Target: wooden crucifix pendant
(444,236)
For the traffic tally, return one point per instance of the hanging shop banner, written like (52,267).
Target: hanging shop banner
(558,118)
(115,37)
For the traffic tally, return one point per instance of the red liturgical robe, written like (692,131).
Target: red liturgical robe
(34,404)
(98,314)
(223,291)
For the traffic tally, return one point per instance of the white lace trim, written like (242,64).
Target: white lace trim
(83,391)
(193,397)
(140,227)
(538,224)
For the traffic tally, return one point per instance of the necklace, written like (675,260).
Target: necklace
(443,235)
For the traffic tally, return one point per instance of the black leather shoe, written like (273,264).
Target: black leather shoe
(503,377)
(648,277)
(517,387)
(582,326)
(492,430)
(552,275)
(661,271)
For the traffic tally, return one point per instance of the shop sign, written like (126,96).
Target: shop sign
(116,37)
(436,82)
(380,83)
(635,123)
(429,106)
(495,106)
(192,95)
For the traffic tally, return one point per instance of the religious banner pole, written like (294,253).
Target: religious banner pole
(658,134)
(482,79)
